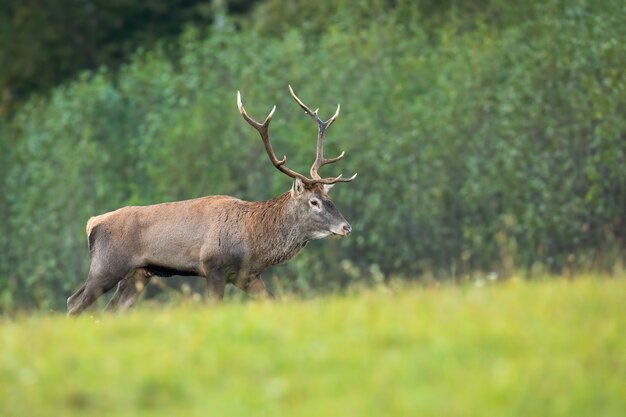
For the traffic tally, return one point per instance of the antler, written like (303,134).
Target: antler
(319,153)
(262,128)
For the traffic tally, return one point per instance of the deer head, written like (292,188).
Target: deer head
(310,203)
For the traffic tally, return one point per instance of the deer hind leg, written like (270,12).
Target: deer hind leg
(255,287)
(129,289)
(100,280)
(71,301)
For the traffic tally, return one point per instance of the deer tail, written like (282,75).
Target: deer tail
(91,232)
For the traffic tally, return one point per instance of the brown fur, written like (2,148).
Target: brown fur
(221,238)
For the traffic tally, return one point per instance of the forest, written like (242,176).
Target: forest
(489,136)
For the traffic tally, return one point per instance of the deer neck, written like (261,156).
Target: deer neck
(277,233)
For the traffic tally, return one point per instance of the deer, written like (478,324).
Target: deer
(221,238)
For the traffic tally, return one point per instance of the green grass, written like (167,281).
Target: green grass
(543,348)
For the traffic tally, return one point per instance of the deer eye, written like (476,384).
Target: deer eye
(314,203)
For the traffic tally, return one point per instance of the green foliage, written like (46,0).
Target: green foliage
(44,42)
(551,348)
(486,137)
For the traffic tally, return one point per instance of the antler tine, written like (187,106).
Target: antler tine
(319,153)
(263,129)
(335,180)
(308,111)
(250,120)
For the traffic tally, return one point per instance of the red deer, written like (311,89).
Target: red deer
(221,238)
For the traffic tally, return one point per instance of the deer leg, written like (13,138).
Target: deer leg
(100,280)
(256,288)
(216,285)
(72,299)
(128,290)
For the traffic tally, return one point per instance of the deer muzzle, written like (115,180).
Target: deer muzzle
(344,229)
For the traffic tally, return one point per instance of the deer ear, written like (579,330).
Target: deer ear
(297,187)
(328,187)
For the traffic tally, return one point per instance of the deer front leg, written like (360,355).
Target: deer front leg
(215,285)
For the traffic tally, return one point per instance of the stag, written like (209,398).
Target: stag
(221,238)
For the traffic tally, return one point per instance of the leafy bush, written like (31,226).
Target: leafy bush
(48,42)
(482,141)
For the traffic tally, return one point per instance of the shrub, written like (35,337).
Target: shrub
(482,142)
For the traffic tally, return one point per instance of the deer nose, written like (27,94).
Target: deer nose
(346,229)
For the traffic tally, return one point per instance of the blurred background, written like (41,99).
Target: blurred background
(489,136)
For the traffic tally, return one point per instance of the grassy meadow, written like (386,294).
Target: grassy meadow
(551,347)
